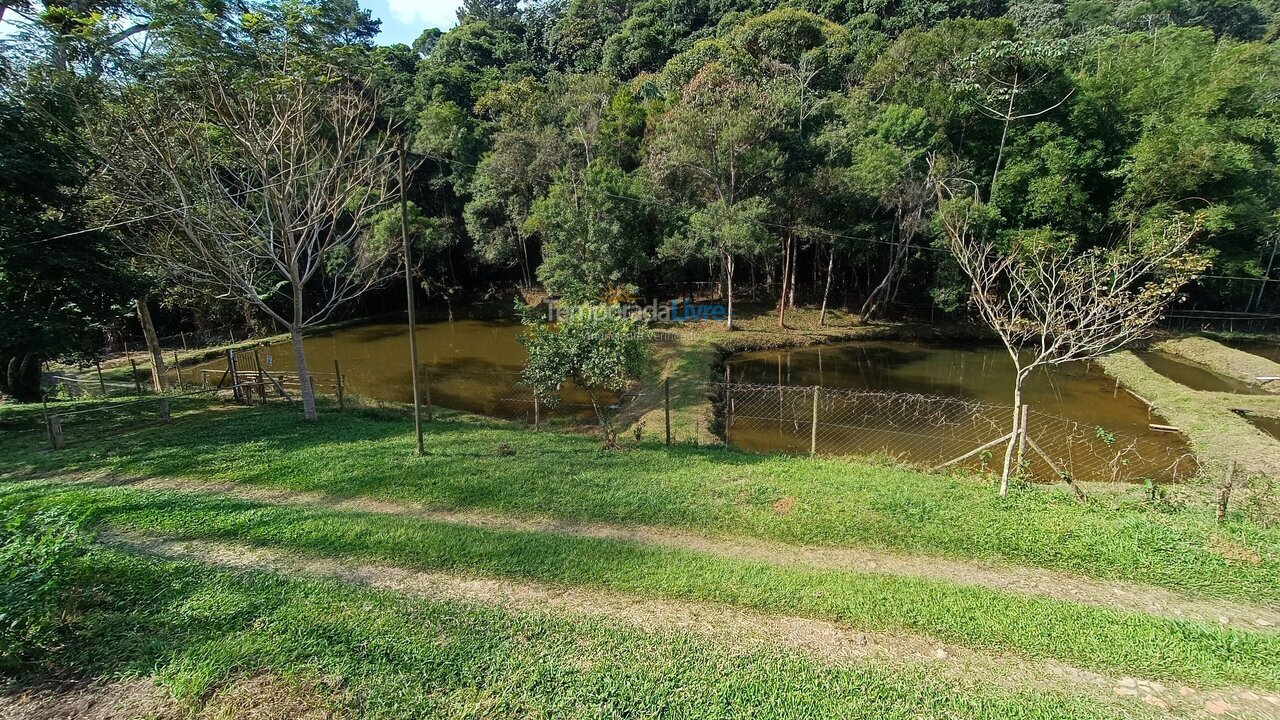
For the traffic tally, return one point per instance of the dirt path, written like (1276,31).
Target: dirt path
(736,628)
(1035,582)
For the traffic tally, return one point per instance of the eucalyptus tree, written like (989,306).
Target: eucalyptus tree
(714,152)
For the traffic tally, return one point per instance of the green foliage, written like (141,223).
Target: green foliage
(592,346)
(596,232)
(38,554)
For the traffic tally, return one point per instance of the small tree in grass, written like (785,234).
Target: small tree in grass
(593,347)
(1052,303)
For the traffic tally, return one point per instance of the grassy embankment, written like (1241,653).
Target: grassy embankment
(382,653)
(1218,435)
(490,467)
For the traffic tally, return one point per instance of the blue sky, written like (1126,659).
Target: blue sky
(404,20)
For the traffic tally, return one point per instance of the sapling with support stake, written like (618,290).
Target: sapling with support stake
(1053,300)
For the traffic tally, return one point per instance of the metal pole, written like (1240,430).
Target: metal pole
(408,287)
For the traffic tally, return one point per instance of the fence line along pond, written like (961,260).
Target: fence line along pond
(929,404)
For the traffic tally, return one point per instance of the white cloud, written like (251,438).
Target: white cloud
(424,13)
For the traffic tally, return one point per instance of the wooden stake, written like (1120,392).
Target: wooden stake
(235,377)
(813,431)
(1066,477)
(1224,495)
(262,386)
(101,383)
(55,433)
(137,387)
(337,372)
(177,369)
(974,451)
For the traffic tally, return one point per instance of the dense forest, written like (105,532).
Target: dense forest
(781,153)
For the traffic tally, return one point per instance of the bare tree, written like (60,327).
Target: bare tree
(260,189)
(1052,304)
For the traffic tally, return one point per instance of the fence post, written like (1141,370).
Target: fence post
(1224,495)
(235,378)
(177,369)
(165,417)
(55,433)
(101,383)
(137,387)
(262,386)
(337,372)
(536,419)
(183,335)
(728,406)
(813,431)
(667,406)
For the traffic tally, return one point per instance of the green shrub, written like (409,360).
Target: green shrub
(38,554)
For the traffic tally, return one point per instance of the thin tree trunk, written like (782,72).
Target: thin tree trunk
(826,291)
(304,374)
(1013,438)
(786,272)
(159,381)
(728,274)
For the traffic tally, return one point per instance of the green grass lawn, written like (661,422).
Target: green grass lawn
(382,655)
(1118,535)
(1094,638)
(196,627)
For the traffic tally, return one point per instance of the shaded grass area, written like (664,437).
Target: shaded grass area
(386,656)
(1090,637)
(1118,535)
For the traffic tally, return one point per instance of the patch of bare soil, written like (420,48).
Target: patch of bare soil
(1035,582)
(738,629)
(139,699)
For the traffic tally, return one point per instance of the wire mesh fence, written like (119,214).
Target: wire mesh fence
(933,430)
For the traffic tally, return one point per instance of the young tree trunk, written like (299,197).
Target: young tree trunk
(786,278)
(159,381)
(826,291)
(728,274)
(1007,470)
(304,375)
(606,430)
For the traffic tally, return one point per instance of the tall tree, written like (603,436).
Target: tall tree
(262,188)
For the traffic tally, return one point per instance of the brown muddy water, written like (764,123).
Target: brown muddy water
(470,365)
(1268,425)
(1093,429)
(1195,376)
(1268,350)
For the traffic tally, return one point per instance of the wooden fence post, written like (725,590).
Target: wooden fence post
(183,335)
(813,431)
(337,373)
(262,385)
(1224,495)
(728,406)
(165,417)
(235,378)
(137,387)
(667,406)
(101,383)
(177,369)
(55,432)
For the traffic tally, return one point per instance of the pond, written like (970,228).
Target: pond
(1195,376)
(1262,348)
(471,365)
(1080,417)
(1266,424)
